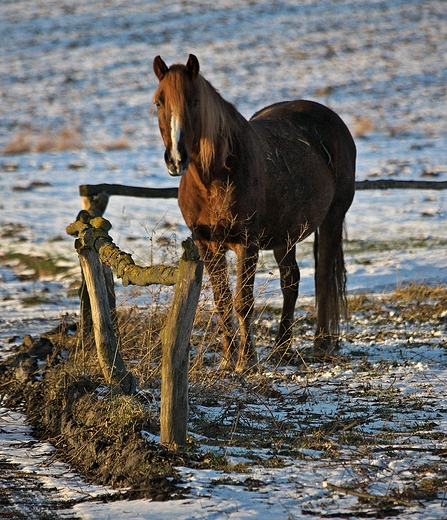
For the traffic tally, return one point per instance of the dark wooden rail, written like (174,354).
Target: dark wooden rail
(91,190)
(388,184)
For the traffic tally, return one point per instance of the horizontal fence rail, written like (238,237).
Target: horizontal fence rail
(91,190)
(93,234)
(390,184)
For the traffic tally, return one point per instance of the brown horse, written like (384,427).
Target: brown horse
(264,183)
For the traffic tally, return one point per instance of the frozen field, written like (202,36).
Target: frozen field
(82,71)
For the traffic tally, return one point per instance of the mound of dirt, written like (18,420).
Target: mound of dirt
(99,435)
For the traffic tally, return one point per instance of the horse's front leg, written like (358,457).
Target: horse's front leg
(247,259)
(216,266)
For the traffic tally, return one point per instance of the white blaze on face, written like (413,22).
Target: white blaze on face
(175,138)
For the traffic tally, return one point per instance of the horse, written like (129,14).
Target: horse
(264,183)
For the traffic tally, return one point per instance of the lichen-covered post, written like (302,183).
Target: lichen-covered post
(175,338)
(100,303)
(95,205)
(110,360)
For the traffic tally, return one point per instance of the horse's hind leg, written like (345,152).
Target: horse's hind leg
(290,278)
(216,266)
(330,282)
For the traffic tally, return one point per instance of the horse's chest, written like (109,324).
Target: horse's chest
(206,206)
(212,213)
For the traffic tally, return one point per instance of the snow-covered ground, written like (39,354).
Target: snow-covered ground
(87,67)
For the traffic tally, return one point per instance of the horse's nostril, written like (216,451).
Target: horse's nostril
(177,166)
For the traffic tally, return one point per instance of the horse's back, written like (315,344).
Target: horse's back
(318,127)
(309,115)
(321,124)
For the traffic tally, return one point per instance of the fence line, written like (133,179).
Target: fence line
(88,190)
(390,184)
(97,254)
(91,190)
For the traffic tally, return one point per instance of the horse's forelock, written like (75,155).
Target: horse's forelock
(172,87)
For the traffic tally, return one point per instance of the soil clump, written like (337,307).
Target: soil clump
(99,434)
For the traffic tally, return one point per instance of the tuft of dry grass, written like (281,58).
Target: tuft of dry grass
(418,293)
(22,142)
(363,125)
(119,144)
(67,138)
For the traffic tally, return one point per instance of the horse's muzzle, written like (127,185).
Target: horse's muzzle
(177,171)
(177,168)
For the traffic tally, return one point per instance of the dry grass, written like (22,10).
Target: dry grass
(363,125)
(22,142)
(67,138)
(348,411)
(119,144)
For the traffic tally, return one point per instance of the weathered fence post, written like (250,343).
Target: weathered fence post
(98,305)
(95,205)
(110,360)
(175,338)
(85,317)
(95,248)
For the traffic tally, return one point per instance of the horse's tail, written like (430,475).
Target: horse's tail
(332,292)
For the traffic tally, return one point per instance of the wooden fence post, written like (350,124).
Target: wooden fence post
(85,316)
(175,359)
(177,331)
(95,205)
(111,362)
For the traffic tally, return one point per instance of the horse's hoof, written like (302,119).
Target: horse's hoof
(248,366)
(284,355)
(324,349)
(228,364)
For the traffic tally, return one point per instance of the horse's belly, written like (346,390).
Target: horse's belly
(296,211)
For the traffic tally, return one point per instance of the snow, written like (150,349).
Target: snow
(88,65)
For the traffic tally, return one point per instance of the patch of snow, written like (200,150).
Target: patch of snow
(87,65)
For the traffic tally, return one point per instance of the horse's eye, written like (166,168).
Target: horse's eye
(195,103)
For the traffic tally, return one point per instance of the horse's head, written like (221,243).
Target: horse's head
(177,102)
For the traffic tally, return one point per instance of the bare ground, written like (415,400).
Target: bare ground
(276,414)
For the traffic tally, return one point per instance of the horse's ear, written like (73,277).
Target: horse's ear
(160,68)
(192,67)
